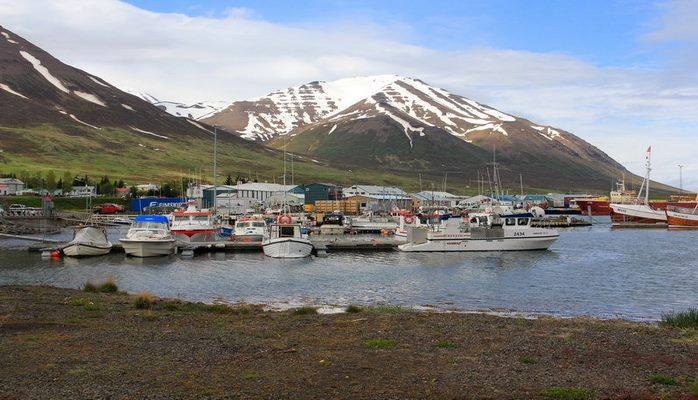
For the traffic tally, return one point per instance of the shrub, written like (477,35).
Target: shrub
(446,345)
(388,309)
(380,343)
(108,286)
(684,319)
(144,301)
(527,360)
(305,311)
(663,379)
(353,309)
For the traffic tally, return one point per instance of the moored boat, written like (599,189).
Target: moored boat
(640,213)
(249,230)
(149,236)
(481,232)
(678,217)
(284,239)
(88,241)
(192,225)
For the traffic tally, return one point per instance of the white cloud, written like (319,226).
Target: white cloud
(239,55)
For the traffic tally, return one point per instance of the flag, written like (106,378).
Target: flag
(649,149)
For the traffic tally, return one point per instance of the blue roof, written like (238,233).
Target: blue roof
(151,218)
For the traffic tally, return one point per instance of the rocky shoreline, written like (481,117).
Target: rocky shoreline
(64,343)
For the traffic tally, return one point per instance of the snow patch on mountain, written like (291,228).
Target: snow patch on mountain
(97,81)
(405,125)
(489,127)
(126,106)
(90,97)
(43,71)
(8,89)
(149,133)
(7,36)
(332,129)
(547,132)
(82,122)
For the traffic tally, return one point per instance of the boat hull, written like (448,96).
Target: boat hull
(596,207)
(494,244)
(287,248)
(677,219)
(637,215)
(149,248)
(85,250)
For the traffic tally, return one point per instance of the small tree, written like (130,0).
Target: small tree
(67,181)
(50,180)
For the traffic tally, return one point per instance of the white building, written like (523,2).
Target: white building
(378,192)
(83,191)
(147,187)
(261,191)
(433,198)
(10,186)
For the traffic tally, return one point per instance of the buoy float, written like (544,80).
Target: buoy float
(55,254)
(285,219)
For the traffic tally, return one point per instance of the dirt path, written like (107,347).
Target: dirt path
(61,343)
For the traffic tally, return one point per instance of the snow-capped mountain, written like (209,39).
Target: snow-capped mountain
(398,122)
(36,88)
(194,111)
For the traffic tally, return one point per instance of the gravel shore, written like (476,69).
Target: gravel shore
(63,343)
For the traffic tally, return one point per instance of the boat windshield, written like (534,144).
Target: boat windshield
(149,226)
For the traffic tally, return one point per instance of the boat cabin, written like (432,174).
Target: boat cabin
(250,224)
(156,224)
(284,230)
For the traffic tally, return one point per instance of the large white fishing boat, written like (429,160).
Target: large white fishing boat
(149,236)
(481,232)
(88,241)
(193,225)
(284,239)
(640,214)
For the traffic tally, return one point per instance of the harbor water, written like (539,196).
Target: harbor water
(635,274)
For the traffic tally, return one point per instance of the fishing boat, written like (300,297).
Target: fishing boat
(193,224)
(481,232)
(371,223)
(149,236)
(284,239)
(679,217)
(641,213)
(88,241)
(249,230)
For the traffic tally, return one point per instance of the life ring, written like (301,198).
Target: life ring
(285,219)
(409,220)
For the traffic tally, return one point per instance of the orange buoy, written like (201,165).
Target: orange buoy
(55,254)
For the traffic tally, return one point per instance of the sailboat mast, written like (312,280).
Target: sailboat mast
(647,177)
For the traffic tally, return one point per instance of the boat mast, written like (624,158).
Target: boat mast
(647,177)
(215,150)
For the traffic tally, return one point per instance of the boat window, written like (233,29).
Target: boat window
(286,231)
(258,224)
(474,220)
(201,218)
(523,221)
(510,221)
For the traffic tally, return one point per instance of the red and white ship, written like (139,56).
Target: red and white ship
(601,205)
(193,225)
(640,214)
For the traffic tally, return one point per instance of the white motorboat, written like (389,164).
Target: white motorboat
(149,236)
(249,230)
(481,232)
(88,241)
(371,223)
(284,239)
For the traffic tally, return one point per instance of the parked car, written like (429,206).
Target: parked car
(108,208)
(17,207)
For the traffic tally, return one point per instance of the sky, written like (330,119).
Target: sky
(621,74)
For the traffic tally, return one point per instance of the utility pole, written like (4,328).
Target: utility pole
(681,179)
(215,151)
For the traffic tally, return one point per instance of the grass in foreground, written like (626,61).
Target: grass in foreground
(567,393)
(380,343)
(683,319)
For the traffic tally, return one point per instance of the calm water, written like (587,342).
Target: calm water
(632,274)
